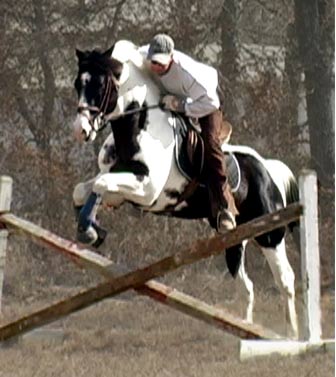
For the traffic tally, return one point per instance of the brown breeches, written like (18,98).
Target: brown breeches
(215,131)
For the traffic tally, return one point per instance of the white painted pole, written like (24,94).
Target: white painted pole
(310,258)
(6,184)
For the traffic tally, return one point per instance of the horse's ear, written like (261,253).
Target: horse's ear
(108,53)
(80,55)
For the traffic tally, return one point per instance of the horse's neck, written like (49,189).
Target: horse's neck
(135,72)
(141,77)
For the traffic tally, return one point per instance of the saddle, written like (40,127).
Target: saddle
(189,155)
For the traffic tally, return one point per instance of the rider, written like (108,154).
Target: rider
(192,88)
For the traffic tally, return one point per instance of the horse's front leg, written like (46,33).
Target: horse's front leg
(88,231)
(86,207)
(81,194)
(116,188)
(112,189)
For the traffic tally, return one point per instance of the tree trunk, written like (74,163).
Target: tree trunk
(316,59)
(229,57)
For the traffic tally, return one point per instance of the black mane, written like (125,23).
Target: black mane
(99,63)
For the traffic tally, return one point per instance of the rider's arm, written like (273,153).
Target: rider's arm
(198,82)
(200,102)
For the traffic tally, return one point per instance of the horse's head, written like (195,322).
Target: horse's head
(97,85)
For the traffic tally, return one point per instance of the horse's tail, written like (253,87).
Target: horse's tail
(292,196)
(291,188)
(286,182)
(284,179)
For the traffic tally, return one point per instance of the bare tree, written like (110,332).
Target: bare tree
(229,17)
(314,26)
(38,65)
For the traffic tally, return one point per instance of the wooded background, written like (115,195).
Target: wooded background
(276,65)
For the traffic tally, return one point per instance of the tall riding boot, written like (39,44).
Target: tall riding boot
(222,206)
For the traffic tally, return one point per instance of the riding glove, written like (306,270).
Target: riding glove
(173,103)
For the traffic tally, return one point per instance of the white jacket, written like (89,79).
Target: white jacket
(192,81)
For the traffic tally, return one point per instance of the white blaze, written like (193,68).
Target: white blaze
(81,127)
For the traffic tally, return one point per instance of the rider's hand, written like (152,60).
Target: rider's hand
(173,103)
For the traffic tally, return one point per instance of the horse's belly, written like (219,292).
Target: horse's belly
(171,191)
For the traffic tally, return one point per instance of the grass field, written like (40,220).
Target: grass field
(135,336)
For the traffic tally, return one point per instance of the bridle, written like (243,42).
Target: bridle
(98,118)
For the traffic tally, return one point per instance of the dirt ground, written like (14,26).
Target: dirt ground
(131,335)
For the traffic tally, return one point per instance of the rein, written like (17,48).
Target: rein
(111,116)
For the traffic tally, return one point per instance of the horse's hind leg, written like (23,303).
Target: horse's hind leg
(284,278)
(247,285)
(235,260)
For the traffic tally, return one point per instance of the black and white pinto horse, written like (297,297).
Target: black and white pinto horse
(138,164)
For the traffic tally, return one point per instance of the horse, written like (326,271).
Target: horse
(144,161)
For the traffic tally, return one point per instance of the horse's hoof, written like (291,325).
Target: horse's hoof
(88,236)
(102,233)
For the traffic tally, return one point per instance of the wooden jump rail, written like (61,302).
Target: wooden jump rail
(140,279)
(199,250)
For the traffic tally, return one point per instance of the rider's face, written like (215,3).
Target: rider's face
(158,68)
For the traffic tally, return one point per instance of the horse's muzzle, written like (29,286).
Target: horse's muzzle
(83,130)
